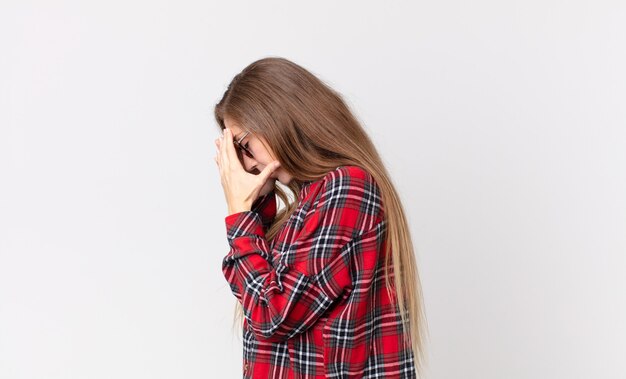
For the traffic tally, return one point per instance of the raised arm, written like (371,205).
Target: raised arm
(265,207)
(315,269)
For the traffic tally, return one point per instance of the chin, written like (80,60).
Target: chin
(283,180)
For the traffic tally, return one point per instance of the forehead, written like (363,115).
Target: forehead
(232,125)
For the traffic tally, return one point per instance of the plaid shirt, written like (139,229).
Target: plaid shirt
(314,297)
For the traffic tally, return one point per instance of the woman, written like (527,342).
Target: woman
(317,280)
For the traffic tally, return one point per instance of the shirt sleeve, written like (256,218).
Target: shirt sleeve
(283,300)
(265,207)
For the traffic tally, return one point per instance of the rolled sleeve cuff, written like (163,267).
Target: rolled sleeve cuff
(248,248)
(243,224)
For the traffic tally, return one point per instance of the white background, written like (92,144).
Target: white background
(503,124)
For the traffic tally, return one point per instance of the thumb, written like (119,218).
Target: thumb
(268,170)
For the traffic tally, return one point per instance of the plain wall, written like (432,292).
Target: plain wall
(503,124)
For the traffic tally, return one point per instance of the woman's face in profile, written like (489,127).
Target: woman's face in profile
(262,156)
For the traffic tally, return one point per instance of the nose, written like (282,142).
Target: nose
(249,164)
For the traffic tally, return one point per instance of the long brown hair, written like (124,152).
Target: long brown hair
(312,131)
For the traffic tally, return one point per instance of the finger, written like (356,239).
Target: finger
(231,154)
(268,170)
(221,151)
(219,169)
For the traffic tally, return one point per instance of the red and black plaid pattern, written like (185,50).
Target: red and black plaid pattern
(314,297)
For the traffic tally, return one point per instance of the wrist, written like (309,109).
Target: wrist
(239,208)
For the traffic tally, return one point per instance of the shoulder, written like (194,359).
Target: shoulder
(348,186)
(345,177)
(347,197)
(351,172)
